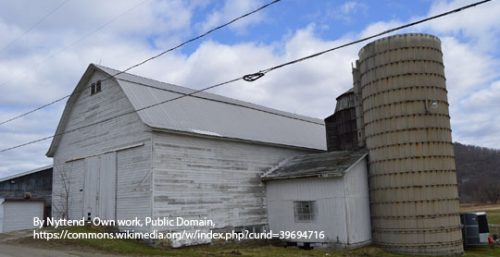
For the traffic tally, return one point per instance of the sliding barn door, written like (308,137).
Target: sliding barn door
(91,187)
(100,187)
(107,187)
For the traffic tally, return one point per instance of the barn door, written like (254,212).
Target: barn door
(100,187)
(107,186)
(91,187)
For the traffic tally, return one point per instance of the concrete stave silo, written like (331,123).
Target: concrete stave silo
(406,125)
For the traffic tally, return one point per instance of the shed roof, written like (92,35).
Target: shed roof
(327,164)
(206,114)
(24,173)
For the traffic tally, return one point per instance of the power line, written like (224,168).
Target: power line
(63,49)
(123,114)
(34,25)
(151,58)
(257,75)
(249,77)
(102,26)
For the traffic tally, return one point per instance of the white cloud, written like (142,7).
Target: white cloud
(231,10)
(348,11)
(479,25)
(308,88)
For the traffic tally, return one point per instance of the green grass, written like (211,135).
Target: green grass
(482,252)
(494,216)
(244,249)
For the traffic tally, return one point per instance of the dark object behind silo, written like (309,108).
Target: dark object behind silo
(341,130)
(470,229)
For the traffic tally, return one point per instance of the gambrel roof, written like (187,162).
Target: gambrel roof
(206,114)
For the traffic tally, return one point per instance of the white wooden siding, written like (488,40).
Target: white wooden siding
(330,206)
(197,177)
(75,171)
(342,206)
(95,146)
(358,204)
(133,198)
(91,187)
(107,186)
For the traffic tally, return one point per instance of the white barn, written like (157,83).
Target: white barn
(195,157)
(321,192)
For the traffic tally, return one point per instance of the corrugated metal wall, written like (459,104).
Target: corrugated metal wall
(414,199)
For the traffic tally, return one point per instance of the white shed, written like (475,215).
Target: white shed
(321,192)
(19,214)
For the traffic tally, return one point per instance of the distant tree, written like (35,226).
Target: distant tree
(478,173)
(490,192)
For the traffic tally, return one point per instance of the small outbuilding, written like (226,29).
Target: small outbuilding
(31,184)
(320,199)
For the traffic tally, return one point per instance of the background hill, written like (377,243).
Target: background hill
(478,173)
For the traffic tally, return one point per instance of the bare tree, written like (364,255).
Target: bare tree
(489,192)
(61,194)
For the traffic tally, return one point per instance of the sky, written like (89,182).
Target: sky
(45,46)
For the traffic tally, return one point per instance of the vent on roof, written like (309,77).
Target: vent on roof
(95,87)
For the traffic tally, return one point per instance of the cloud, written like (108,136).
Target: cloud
(308,88)
(348,11)
(230,10)
(478,25)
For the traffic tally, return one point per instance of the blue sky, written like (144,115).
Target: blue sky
(47,62)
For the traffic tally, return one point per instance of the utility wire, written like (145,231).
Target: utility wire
(60,51)
(34,25)
(101,27)
(257,75)
(253,75)
(123,114)
(150,58)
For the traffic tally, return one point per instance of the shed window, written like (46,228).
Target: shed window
(95,87)
(304,210)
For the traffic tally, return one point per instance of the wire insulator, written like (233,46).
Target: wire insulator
(253,77)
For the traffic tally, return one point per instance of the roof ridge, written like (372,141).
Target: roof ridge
(211,96)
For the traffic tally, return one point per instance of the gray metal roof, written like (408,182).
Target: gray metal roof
(24,173)
(327,164)
(209,114)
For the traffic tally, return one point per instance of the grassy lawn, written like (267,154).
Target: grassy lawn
(494,216)
(249,248)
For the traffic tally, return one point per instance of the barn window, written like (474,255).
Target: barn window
(95,87)
(304,210)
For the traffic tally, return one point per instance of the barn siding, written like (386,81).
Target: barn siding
(76,148)
(358,204)
(196,177)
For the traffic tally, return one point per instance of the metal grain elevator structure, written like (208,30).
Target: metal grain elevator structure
(401,117)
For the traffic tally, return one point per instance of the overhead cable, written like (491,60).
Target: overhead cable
(252,75)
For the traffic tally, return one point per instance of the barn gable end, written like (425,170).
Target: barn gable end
(109,161)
